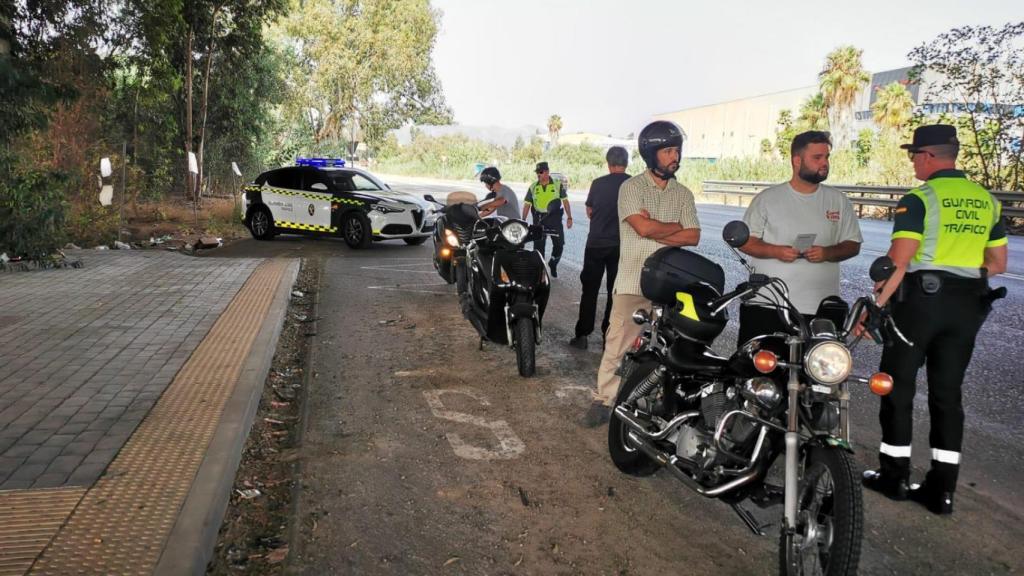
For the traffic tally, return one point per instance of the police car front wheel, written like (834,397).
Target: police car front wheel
(261,224)
(356,229)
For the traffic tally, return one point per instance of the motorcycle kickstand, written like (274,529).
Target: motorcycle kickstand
(749,519)
(481,344)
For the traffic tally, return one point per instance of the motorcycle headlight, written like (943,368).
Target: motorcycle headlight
(828,362)
(451,238)
(514,231)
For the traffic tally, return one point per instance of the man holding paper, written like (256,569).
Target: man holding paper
(799,231)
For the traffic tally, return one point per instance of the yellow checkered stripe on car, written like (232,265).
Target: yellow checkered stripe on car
(300,226)
(347,201)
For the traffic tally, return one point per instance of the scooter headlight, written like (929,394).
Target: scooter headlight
(514,232)
(451,238)
(828,362)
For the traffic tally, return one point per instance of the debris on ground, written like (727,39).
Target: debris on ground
(254,536)
(121,245)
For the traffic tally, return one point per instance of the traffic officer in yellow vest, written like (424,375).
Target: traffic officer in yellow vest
(948,239)
(546,198)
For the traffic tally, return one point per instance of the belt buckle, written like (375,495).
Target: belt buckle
(930,283)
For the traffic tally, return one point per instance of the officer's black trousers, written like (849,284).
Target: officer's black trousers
(943,328)
(597,262)
(557,242)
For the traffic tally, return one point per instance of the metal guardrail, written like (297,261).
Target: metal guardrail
(879,196)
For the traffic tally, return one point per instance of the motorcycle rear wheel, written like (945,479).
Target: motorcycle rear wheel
(625,457)
(525,345)
(830,517)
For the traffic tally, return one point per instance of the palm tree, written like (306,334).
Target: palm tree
(841,81)
(893,106)
(554,127)
(813,113)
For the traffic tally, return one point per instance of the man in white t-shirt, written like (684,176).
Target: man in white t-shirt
(799,231)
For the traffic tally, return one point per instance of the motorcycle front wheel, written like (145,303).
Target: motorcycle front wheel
(830,517)
(461,278)
(525,345)
(625,457)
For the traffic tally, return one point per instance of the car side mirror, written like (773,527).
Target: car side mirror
(882,268)
(736,233)
(319,186)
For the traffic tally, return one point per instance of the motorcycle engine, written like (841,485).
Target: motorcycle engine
(695,443)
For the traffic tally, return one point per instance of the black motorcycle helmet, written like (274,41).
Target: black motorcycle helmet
(490,175)
(655,136)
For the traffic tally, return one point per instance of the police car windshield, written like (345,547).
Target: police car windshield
(351,182)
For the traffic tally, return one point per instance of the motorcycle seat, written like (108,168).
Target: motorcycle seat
(694,359)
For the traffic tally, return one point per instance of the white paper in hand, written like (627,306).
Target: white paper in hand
(804,242)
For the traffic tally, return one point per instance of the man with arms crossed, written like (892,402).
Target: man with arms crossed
(654,211)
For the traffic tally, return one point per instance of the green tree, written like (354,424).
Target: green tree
(813,114)
(784,132)
(863,145)
(981,70)
(554,128)
(893,107)
(841,80)
(364,66)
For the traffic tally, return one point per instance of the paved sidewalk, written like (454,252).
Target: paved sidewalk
(126,391)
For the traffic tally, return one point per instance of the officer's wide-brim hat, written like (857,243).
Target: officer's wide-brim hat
(541,167)
(934,135)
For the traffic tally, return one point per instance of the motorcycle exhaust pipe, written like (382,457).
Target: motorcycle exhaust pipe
(670,461)
(639,427)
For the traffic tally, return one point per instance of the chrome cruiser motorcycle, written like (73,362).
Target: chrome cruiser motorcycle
(720,424)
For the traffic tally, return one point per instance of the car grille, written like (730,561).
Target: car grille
(397,229)
(417,217)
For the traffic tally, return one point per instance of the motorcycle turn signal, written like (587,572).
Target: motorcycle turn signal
(880,383)
(765,361)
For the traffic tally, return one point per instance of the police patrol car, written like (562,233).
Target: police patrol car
(322,196)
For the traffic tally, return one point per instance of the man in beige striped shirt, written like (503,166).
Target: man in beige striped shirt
(655,211)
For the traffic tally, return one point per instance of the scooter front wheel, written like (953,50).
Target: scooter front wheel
(525,344)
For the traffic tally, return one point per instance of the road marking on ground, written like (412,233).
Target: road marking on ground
(399,288)
(565,391)
(404,268)
(510,444)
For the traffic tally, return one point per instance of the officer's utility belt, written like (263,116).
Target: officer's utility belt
(931,282)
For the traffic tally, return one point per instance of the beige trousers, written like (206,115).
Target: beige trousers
(622,331)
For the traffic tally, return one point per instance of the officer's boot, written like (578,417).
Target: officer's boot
(553,265)
(936,492)
(890,479)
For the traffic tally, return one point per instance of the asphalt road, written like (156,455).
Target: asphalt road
(402,400)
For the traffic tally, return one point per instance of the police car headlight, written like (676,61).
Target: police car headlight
(386,209)
(514,231)
(828,362)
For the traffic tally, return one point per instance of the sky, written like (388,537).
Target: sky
(607,66)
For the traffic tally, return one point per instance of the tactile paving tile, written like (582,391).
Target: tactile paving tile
(29,519)
(122,522)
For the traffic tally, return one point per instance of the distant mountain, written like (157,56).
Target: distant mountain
(491,134)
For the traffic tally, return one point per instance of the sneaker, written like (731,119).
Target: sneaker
(596,415)
(579,342)
(936,501)
(892,488)
(554,269)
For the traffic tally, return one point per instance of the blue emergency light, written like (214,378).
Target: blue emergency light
(320,162)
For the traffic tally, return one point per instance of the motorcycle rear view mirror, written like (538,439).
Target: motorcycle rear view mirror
(430,198)
(736,233)
(882,268)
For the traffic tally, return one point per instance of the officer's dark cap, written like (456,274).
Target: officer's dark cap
(541,167)
(934,135)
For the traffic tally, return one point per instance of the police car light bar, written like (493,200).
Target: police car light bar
(319,162)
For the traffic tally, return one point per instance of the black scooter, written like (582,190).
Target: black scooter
(452,234)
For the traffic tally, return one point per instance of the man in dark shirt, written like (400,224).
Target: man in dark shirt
(602,251)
